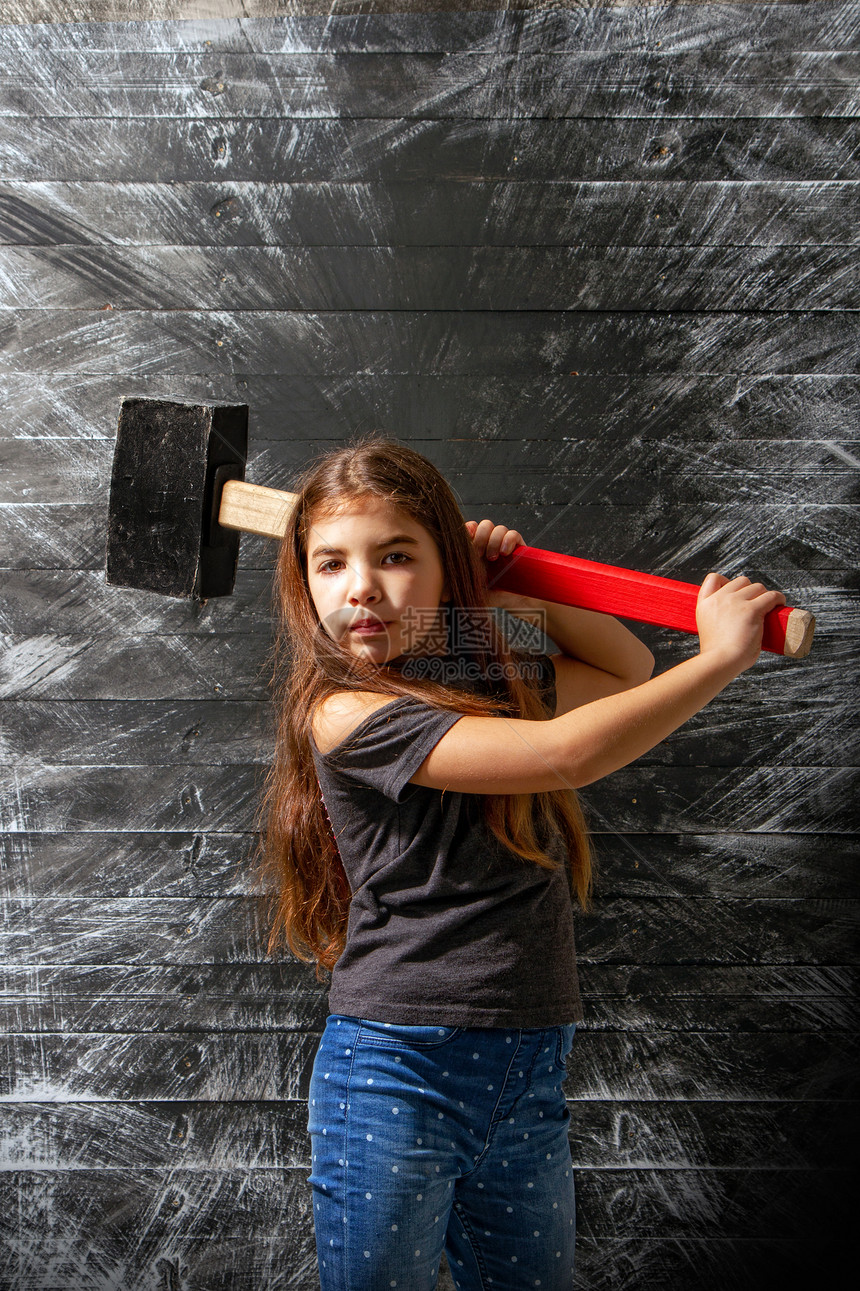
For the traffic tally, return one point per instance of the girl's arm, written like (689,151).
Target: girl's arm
(508,755)
(600,656)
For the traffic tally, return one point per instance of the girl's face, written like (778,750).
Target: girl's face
(376,580)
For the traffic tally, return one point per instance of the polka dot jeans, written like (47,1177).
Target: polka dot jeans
(432,1138)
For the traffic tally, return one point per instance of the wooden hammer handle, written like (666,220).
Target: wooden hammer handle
(550,576)
(255,509)
(631,595)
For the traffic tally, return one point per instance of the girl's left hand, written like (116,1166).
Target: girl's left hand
(492,540)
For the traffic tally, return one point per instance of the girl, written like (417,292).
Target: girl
(427,846)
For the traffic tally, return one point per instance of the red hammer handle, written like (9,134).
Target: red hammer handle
(567,580)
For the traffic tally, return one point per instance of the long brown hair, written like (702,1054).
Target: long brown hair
(298,853)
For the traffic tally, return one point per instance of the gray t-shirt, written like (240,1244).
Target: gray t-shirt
(446,927)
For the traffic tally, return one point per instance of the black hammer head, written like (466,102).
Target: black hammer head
(169,466)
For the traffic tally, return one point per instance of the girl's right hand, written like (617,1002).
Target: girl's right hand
(730,616)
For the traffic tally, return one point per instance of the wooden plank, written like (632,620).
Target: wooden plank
(182,930)
(478,213)
(752,1203)
(265,997)
(664,409)
(218,665)
(742,728)
(704,83)
(75,538)
(151,798)
(187,733)
(180,863)
(793,544)
(560,84)
(204,1137)
(828,1014)
(480,342)
(68,467)
(188,863)
(690,985)
(796,727)
(192,930)
(734,865)
(691,475)
(661,408)
(189,1136)
(225,1068)
(624,930)
(219,1207)
(276,1066)
(447,29)
(610,1264)
(129,1224)
(285,996)
(699,1066)
(180,149)
(35,602)
(68,471)
(701,800)
(748,1265)
(605,278)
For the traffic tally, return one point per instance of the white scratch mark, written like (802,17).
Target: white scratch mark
(838,451)
(27,664)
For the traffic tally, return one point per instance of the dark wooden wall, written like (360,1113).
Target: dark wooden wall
(601,266)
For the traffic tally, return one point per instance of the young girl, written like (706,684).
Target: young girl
(424,833)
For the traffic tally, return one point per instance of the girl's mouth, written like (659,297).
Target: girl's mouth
(368,627)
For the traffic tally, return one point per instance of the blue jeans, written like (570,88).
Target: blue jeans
(432,1138)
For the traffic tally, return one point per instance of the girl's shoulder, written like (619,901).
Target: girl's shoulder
(337,716)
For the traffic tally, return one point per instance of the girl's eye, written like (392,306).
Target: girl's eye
(403,556)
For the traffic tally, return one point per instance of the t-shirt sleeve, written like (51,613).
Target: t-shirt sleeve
(387,748)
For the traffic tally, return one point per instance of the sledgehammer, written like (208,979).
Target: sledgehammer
(179,501)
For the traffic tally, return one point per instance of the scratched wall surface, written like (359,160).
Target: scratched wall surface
(599,264)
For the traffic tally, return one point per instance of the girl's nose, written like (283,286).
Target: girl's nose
(363,590)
